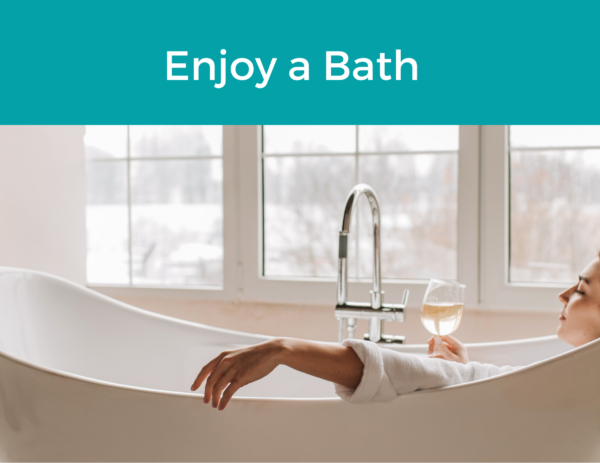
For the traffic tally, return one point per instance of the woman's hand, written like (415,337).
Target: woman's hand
(233,369)
(236,368)
(448,348)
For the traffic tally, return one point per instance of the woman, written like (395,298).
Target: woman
(363,372)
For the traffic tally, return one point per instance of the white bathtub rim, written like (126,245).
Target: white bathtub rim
(100,382)
(180,321)
(74,376)
(131,308)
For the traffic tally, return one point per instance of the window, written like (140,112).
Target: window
(154,205)
(253,212)
(309,170)
(529,174)
(554,201)
(254,235)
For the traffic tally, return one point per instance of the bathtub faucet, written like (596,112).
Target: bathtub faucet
(376,312)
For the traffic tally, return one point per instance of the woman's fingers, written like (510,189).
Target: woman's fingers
(445,351)
(221,384)
(206,370)
(449,347)
(430,343)
(458,348)
(455,343)
(221,369)
(433,345)
(231,389)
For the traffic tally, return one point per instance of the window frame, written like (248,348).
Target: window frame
(482,236)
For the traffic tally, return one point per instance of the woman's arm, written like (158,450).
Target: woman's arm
(233,369)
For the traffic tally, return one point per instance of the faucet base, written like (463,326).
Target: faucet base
(387,339)
(352,311)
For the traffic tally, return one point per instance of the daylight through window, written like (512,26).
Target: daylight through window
(154,205)
(308,172)
(554,201)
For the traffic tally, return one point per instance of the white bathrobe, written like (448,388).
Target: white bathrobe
(387,373)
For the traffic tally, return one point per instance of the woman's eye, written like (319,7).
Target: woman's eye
(579,292)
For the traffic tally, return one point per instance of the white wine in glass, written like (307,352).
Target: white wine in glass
(443,307)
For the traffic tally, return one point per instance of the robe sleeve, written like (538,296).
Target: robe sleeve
(387,373)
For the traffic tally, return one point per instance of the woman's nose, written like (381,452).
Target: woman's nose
(564,296)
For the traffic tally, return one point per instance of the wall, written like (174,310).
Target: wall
(318,322)
(42,199)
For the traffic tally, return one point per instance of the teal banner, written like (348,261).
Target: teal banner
(193,62)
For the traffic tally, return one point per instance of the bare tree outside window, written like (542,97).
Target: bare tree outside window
(554,201)
(155,205)
(308,172)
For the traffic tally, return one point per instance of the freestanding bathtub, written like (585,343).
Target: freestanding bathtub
(84,377)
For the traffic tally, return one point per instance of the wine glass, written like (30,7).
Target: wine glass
(443,307)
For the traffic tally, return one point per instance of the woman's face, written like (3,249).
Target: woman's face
(580,315)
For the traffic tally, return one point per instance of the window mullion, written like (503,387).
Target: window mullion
(357,219)
(232,262)
(129,230)
(468,212)
(249,197)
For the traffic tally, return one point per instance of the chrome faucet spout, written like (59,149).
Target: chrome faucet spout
(377,312)
(351,202)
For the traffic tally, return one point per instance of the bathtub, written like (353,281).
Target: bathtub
(84,377)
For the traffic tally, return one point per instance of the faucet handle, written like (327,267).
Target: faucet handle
(401,306)
(405,297)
